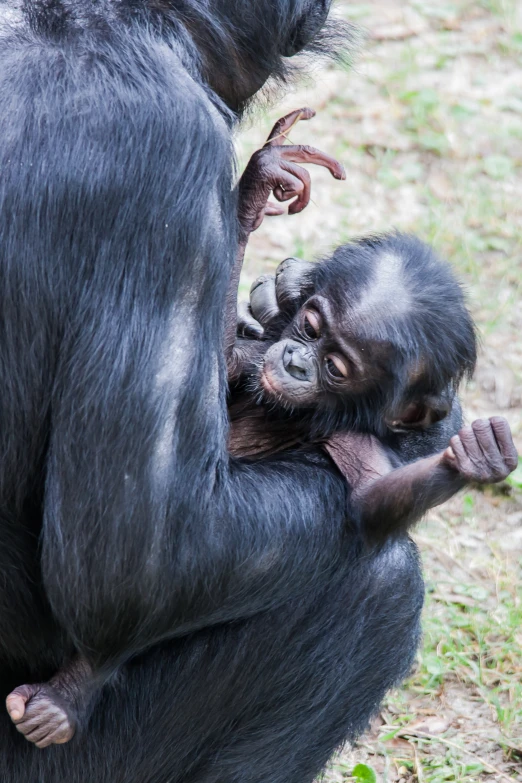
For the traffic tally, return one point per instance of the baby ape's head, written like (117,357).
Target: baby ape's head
(377,336)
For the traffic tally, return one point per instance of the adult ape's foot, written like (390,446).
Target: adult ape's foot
(41,714)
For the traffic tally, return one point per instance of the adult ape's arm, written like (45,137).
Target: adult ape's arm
(273,168)
(390,501)
(150,528)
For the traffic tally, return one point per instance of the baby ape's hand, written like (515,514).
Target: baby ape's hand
(254,315)
(247,325)
(273,168)
(271,295)
(484,452)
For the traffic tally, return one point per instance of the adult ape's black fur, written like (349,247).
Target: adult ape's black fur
(124,524)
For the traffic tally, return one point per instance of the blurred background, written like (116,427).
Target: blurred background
(428,123)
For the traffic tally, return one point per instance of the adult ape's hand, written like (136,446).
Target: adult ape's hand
(274,169)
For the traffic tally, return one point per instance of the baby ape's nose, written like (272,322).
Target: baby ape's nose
(296,362)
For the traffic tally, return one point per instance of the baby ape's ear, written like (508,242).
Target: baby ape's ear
(294,283)
(420,414)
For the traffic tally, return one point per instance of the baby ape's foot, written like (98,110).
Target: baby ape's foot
(41,714)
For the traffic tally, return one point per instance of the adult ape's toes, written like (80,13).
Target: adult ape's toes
(41,715)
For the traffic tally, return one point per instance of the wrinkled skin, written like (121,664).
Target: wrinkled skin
(272,169)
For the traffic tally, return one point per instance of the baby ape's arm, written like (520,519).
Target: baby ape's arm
(271,169)
(390,501)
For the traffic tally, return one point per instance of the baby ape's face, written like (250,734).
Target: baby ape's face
(319,361)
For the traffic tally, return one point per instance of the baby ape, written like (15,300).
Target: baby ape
(373,343)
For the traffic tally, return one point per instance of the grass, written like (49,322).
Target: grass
(429,126)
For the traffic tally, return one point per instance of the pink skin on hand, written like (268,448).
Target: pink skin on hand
(274,168)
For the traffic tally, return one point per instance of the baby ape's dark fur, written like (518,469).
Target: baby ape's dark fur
(399,311)
(371,344)
(124,523)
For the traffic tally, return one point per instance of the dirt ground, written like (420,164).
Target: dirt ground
(428,122)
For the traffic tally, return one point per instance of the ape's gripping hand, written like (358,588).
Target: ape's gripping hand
(273,169)
(391,500)
(484,453)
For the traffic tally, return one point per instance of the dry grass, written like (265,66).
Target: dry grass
(429,126)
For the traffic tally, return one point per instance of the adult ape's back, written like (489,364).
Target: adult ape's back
(116,195)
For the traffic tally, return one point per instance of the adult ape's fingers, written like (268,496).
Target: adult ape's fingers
(504,440)
(303,197)
(288,185)
(283,126)
(305,154)
(271,209)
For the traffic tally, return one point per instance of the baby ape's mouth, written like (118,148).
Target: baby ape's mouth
(275,391)
(268,383)
(278,386)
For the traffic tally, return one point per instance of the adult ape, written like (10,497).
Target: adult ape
(125,524)
(49,713)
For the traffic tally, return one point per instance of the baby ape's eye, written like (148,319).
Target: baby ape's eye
(312,324)
(336,366)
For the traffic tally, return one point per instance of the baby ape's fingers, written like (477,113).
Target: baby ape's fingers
(459,458)
(263,300)
(303,195)
(247,326)
(305,154)
(471,443)
(485,436)
(283,126)
(289,184)
(293,279)
(505,441)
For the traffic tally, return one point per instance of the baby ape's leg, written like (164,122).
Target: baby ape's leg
(390,501)
(49,713)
